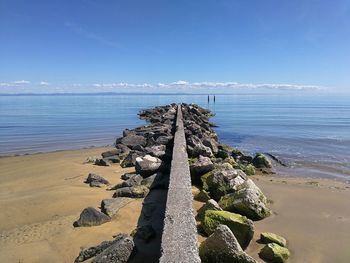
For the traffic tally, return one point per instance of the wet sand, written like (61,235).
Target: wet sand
(42,195)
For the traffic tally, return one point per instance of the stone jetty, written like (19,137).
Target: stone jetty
(176,150)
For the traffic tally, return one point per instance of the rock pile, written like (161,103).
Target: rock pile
(232,200)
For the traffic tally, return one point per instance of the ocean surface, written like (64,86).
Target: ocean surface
(309,133)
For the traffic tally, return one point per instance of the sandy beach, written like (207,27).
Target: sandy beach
(41,195)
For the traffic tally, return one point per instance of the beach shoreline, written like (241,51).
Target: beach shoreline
(43,194)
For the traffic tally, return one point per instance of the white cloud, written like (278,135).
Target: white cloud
(21,82)
(180,86)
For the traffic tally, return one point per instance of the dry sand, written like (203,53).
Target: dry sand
(42,195)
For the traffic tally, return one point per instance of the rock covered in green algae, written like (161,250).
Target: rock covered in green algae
(209,205)
(223,247)
(274,253)
(202,196)
(248,200)
(248,169)
(267,237)
(261,161)
(221,182)
(241,226)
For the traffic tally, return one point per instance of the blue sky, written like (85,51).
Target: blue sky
(85,45)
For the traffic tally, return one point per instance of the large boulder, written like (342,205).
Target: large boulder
(247,200)
(118,252)
(261,161)
(211,143)
(132,140)
(223,181)
(200,167)
(223,247)
(130,159)
(147,165)
(195,147)
(134,180)
(274,253)
(95,180)
(242,227)
(156,151)
(267,237)
(209,205)
(90,252)
(111,206)
(91,217)
(139,191)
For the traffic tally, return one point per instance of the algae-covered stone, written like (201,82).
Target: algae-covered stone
(248,200)
(267,237)
(221,182)
(248,169)
(202,196)
(241,226)
(261,161)
(274,253)
(223,247)
(209,205)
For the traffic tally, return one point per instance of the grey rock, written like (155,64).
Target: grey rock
(132,140)
(91,217)
(134,180)
(102,162)
(95,180)
(118,252)
(147,165)
(111,206)
(90,252)
(223,247)
(247,200)
(200,167)
(133,192)
(130,159)
(211,143)
(156,151)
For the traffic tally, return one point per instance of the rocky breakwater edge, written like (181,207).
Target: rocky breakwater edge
(219,174)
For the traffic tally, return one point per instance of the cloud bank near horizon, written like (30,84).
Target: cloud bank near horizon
(180,86)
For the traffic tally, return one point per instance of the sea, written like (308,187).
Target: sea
(309,133)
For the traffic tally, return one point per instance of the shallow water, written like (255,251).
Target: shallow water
(309,133)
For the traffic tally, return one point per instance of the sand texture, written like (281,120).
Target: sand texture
(42,195)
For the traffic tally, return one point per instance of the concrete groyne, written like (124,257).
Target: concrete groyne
(179,240)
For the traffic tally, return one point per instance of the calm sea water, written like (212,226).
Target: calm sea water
(310,133)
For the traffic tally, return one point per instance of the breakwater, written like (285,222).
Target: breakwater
(178,149)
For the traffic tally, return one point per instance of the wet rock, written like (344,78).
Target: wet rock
(139,191)
(267,237)
(223,247)
(111,206)
(274,253)
(91,217)
(247,200)
(261,161)
(118,252)
(95,180)
(242,227)
(147,165)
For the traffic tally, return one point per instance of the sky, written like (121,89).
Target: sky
(167,45)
